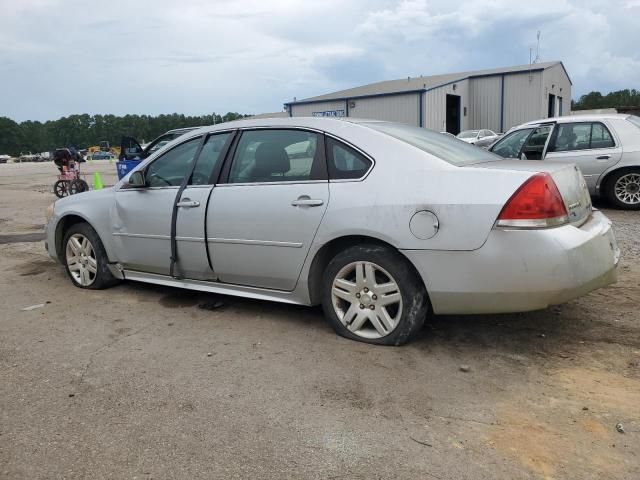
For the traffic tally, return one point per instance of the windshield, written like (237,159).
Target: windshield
(444,147)
(468,134)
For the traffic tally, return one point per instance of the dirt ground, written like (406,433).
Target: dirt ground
(139,382)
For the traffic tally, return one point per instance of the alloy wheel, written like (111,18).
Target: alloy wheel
(627,189)
(81,260)
(366,299)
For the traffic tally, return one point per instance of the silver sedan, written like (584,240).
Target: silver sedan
(383,224)
(605,147)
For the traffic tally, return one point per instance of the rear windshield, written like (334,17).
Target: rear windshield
(635,120)
(449,149)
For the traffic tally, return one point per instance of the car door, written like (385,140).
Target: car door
(130,149)
(264,215)
(511,144)
(590,145)
(142,217)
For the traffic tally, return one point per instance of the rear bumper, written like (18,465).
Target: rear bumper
(521,270)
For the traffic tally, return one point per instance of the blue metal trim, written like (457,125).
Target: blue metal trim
(346,107)
(358,97)
(502,105)
(420,108)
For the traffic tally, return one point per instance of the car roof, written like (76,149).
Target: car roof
(319,123)
(575,118)
(182,130)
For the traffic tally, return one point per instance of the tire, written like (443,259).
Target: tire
(60,188)
(78,186)
(81,242)
(623,189)
(389,310)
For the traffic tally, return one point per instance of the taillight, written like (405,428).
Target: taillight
(536,204)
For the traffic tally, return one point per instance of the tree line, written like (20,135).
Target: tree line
(621,98)
(82,131)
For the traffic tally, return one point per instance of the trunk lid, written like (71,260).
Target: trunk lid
(567,177)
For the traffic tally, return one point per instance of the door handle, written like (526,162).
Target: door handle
(603,157)
(305,201)
(186,203)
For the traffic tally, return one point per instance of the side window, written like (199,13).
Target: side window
(600,136)
(209,158)
(169,169)
(344,162)
(572,136)
(510,145)
(277,156)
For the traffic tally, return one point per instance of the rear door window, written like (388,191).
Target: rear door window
(600,136)
(581,136)
(272,155)
(344,162)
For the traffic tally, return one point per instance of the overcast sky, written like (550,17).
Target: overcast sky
(59,57)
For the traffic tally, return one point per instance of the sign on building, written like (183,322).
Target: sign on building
(329,113)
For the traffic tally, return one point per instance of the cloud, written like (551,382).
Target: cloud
(197,56)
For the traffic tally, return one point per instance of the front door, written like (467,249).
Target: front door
(589,145)
(263,218)
(142,218)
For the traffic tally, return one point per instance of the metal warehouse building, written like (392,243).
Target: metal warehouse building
(496,99)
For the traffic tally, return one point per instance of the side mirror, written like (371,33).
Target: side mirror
(137,180)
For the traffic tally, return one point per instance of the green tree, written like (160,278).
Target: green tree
(620,98)
(85,130)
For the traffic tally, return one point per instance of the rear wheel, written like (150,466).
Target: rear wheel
(78,186)
(372,294)
(623,190)
(85,258)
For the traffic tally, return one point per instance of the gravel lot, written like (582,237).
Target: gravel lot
(139,382)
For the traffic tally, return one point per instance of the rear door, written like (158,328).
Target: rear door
(590,145)
(264,215)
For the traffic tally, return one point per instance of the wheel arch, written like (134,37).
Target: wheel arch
(63,225)
(330,249)
(606,177)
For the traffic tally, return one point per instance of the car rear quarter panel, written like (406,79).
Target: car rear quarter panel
(406,180)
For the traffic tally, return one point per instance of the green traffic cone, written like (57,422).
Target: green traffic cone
(97,181)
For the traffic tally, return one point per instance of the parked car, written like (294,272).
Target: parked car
(381,223)
(131,149)
(479,138)
(605,147)
(448,134)
(100,155)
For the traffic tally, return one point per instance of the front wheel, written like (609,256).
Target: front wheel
(623,190)
(85,258)
(372,294)
(60,188)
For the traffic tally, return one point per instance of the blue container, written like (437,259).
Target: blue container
(125,166)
